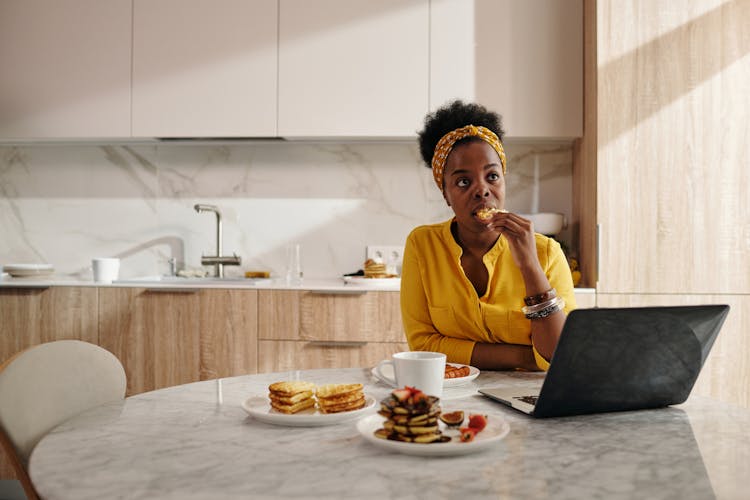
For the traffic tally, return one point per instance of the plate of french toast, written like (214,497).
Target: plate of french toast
(299,403)
(411,422)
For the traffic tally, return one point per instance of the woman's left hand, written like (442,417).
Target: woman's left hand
(519,233)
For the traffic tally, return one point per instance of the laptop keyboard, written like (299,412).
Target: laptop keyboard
(527,399)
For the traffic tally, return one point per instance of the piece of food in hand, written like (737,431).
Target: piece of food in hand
(291,396)
(412,416)
(477,422)
(487,212)
(337,398)
(452,371)
(453,419)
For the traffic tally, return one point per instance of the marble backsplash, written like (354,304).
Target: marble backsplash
(65,204)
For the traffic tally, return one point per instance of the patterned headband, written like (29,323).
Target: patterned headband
(445,145)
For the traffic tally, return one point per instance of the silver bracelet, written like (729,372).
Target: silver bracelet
(557,305)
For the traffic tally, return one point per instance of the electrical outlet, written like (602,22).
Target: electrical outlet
(392,256)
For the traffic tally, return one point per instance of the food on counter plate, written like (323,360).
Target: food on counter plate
(337,398)
(452,371)
(487,213)
(412,416)
(375,268)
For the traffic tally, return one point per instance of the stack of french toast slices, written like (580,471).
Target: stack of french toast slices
(412,416)
(296,395)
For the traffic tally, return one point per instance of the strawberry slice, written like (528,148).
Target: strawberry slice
(467,434)
(401,395)
(477,422)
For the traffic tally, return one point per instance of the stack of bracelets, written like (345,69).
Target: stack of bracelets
(542,305)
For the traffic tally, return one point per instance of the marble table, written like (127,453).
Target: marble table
(196,441)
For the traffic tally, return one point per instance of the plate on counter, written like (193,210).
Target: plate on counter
(497,428)
(372,282)
(448,382)
(259,407)
(27,270)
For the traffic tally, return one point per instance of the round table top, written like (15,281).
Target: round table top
(196,441)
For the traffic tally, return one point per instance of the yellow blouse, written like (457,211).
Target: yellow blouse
(440,307)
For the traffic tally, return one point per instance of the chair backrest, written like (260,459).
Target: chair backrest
(47,384)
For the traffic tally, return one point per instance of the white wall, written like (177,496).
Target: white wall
(65,204)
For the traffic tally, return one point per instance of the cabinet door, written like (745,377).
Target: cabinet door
(228,333)
(726,373)
(155,335)
(320,316)
(283,355)
(66,68)
(529,65)
(672,164)
(353,67)
(32,316)
(204,68)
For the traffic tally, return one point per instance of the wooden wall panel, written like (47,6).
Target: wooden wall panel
(278,355)
(673,166)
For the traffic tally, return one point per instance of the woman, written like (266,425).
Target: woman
(489,292)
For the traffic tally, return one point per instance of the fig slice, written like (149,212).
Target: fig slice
(453,419)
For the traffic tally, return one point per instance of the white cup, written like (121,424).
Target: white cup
(106,269)
(422,370)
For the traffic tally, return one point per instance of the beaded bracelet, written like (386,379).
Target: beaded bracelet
(533,300)
(558,304)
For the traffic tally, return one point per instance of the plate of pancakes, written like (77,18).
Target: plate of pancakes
(304,404)
(411,424)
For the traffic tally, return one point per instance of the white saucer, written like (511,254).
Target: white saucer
(26,270)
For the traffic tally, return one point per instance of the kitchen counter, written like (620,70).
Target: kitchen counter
(195,441)
(323,285)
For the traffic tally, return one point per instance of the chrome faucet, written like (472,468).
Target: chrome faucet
(218,260)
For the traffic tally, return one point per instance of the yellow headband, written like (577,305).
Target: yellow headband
(445,145)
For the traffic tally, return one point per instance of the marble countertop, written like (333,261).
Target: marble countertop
(195,441)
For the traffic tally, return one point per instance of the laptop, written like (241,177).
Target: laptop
(617,359)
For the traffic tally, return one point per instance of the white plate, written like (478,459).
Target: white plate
(448,382)
(497,428)
(24,270)
(259,407)
(374,282)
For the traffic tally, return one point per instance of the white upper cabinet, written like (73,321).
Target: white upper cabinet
(65,69)
(521,58)
(204,68)
(353,68)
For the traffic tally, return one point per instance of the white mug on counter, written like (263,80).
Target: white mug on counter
(106,269)
(422,370)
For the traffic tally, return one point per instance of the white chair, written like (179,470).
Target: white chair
(45,385)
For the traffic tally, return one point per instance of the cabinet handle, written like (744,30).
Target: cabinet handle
(337,343)
(173,290)
(338,292)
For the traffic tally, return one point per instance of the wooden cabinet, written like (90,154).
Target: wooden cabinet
(521,58)
(353,68)
(667,147)
(204,68)
(32,316)
(66,69)
(166,337)
(307,329)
